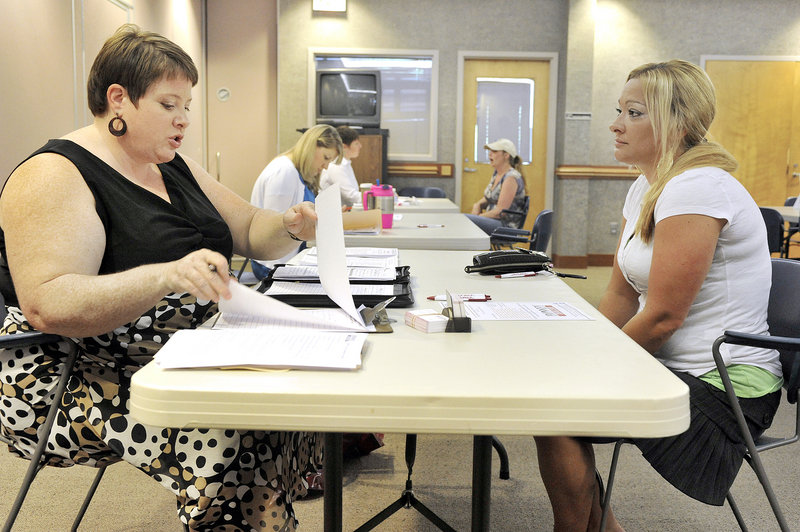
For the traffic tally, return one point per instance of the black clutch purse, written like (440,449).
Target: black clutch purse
(509,261)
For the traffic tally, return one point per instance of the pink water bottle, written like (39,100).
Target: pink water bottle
(381,197)
(368,200)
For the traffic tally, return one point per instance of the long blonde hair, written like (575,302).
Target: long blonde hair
(681,102)
(302,153)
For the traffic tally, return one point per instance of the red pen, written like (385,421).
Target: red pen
(464,297)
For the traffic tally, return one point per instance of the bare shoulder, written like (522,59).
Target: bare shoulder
(45,181)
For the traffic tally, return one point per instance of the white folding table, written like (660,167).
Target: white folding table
(505,377)
(442,231)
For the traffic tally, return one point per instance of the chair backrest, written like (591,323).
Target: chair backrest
(526,205)
(422,192)
(790,201)
(783,317)
(542,229)
(774,223)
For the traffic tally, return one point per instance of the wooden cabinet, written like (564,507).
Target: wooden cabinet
(372,162)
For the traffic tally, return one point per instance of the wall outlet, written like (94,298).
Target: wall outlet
(614,228)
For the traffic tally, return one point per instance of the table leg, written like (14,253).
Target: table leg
(333,482)
(481,482)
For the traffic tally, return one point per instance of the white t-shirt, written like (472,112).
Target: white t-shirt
(277,188)
(342,174)
(735,294)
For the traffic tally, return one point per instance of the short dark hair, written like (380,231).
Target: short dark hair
(348,134)
(135,59)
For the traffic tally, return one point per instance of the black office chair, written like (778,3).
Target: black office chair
(791,229)
(775,229)
(537,238)
(422,192)
(783,317)
(26,339)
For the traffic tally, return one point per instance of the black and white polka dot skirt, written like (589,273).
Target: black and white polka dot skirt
(223,479)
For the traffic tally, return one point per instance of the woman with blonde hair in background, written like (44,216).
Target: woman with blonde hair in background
(692,262)
(293,177)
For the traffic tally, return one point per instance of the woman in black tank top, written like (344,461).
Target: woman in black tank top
(114,241)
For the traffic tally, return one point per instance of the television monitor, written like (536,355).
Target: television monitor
(349,97)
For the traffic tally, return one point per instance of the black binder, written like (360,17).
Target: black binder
(403,297)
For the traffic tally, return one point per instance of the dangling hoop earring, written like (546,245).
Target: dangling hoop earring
(123,128)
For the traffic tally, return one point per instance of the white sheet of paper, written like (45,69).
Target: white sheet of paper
(359,273)
(260,348)
(290,288)
(530,311)
(330,251)
(246,301)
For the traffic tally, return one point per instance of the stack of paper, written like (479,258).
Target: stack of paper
(261,348)
(291,272)
(426,320)
(257,331)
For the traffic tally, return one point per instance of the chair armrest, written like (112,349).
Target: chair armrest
(508,238)
(758,340)
(24,339)
(510,231)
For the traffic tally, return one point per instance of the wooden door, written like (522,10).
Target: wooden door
(368,166)
(758,121)
(242,91)
(476,175)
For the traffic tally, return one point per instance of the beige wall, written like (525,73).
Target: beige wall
(242,137)
(43,83)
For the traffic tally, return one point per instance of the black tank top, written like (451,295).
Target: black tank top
(141,228)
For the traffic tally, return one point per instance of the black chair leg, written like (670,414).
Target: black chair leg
(44,432)
(736,513)
(88,499)
(605,498)
(503,455)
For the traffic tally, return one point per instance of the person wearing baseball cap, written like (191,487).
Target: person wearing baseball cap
(505,191)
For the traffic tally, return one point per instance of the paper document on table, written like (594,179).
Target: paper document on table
(258,348)
(330,251)
(248,304)
(354,273)
(529,311)
(289,288)
(361,251)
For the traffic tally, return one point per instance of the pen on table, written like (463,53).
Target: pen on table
(465,297)
(430,225)
(570,275)
(515,274)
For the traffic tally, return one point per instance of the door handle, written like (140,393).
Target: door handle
(471,170)
(219,158)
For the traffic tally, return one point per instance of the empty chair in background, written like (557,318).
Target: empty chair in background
(537,238)
(422,192)
(775,229)
(792,228)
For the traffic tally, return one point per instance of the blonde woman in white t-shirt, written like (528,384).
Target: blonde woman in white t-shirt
(692,261)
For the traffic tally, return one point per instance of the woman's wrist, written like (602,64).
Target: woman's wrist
(294,236)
